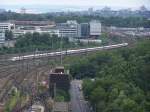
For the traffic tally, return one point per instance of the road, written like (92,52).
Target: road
(78,104)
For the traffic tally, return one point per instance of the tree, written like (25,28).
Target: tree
(121,79)
(8,35)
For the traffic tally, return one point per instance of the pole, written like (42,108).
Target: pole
(61,50)
(37,80)
(54,91)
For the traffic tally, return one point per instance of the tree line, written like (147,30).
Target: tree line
(133,21)
(120,79)
(31,42)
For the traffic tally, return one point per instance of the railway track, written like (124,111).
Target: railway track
(6,87)
(16,75)
(42,69)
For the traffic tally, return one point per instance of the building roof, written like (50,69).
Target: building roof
(61,107)
(60,67)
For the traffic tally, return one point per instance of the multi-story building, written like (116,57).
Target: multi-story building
(84,30)
(7,26)
(68,32)
(95,28)
(33,23)
(2,37)
(51,31)
(68,29)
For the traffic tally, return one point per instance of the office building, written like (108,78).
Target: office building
(2,37)
(95,28)
(85,30)
(7,26)
(68,32)
(33,23)
(50,31)
(68,29)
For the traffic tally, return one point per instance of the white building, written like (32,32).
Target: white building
(68,29)
(73,22)
(51,31)
(95,28)
(2,37)
(7,26)
(68,32)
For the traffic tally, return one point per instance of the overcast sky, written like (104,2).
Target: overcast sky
(120,3)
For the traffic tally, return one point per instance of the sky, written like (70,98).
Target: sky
(128,3)
(110,3)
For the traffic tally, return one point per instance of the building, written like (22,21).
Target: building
(23,27)
(85,30)
(51,31)
(58,79)
(95,28)
(143,9)
(33,23)
(68,29)
(2,10)
(90,11)
(59,70)
(7,26)
(68,32)
(2,37)
(22,10)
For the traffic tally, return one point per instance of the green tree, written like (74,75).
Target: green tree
(8,35)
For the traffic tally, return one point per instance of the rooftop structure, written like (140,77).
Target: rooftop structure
(59,69)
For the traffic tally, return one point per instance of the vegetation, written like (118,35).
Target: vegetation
(108,21)
(15,96)
(8,35)
(121,79)
(31,42)
(62,96)
(41,42)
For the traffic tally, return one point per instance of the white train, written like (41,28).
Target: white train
(68,52)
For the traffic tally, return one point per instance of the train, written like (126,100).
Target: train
(67,52)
